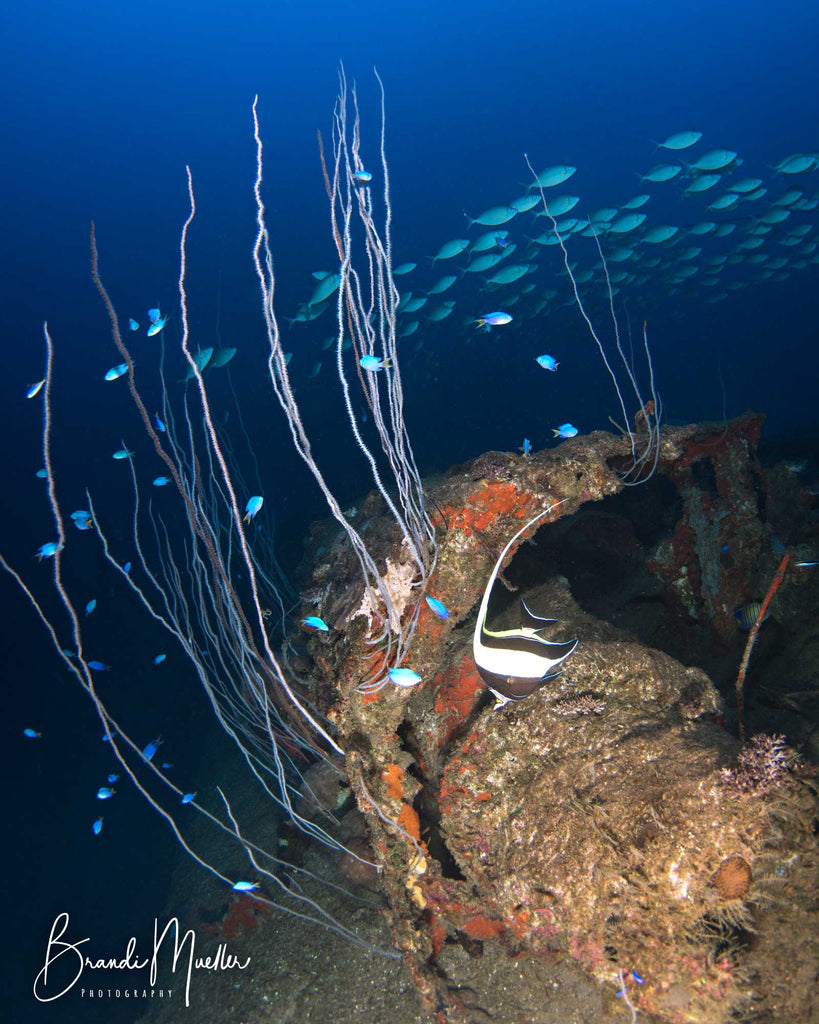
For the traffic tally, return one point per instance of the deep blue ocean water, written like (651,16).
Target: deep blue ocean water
(103,107)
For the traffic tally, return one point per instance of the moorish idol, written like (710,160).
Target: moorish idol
(513,663)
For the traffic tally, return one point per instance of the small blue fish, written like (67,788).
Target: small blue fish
(159,659)
(186,799)
(438,607)
(96,828)
(104,793)
(42,474)
(152,748)
(245,886)
(132,324)
(160,426)
(165,766)
(32,734)
(116,371)
(252,507)
(122,453)
(362,177)
(161,481)
(403,677)
(158,321)
(746,616)
(112,778)
(92,604)
(35,389)
(373,363)
(98,666)
(48,550)
(489,320)
(526,448)
(82,520)
(126,568)
(316,623)
(565,430)
(547,362)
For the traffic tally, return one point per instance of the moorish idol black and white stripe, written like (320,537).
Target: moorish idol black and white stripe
(513,663)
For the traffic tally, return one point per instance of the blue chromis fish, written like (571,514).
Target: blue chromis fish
(547,362)
(565,430)
(126,568)
(35,389)
(253,506)
(526,447)
(116,371)
(373,363)
(186,799)
(403,677)
(105,793)
(112,778)
(98,666)
(314,622)
(159,659)
(496,319)
(48,550)
(161,481)
(747,615)
(245,886)
(122,453)
(160,426)
(132,324)
(92,604)
(42,474)
(96,828)
(152,748)
(82,519)
(438,607)
(158,321)
(362,177)
(32,734)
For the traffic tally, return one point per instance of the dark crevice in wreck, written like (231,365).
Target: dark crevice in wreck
(427,806)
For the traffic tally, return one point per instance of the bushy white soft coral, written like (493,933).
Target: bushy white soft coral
(398,583)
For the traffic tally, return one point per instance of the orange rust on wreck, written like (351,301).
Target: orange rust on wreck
(458,689)
(393,775)
(410,822)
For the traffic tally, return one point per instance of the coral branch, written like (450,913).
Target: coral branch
(749,646)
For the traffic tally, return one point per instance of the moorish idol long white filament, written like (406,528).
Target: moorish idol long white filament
(513,663)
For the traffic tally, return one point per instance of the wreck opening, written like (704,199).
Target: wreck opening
(668,563)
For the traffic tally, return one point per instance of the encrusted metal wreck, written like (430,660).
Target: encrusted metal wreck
(597,822)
